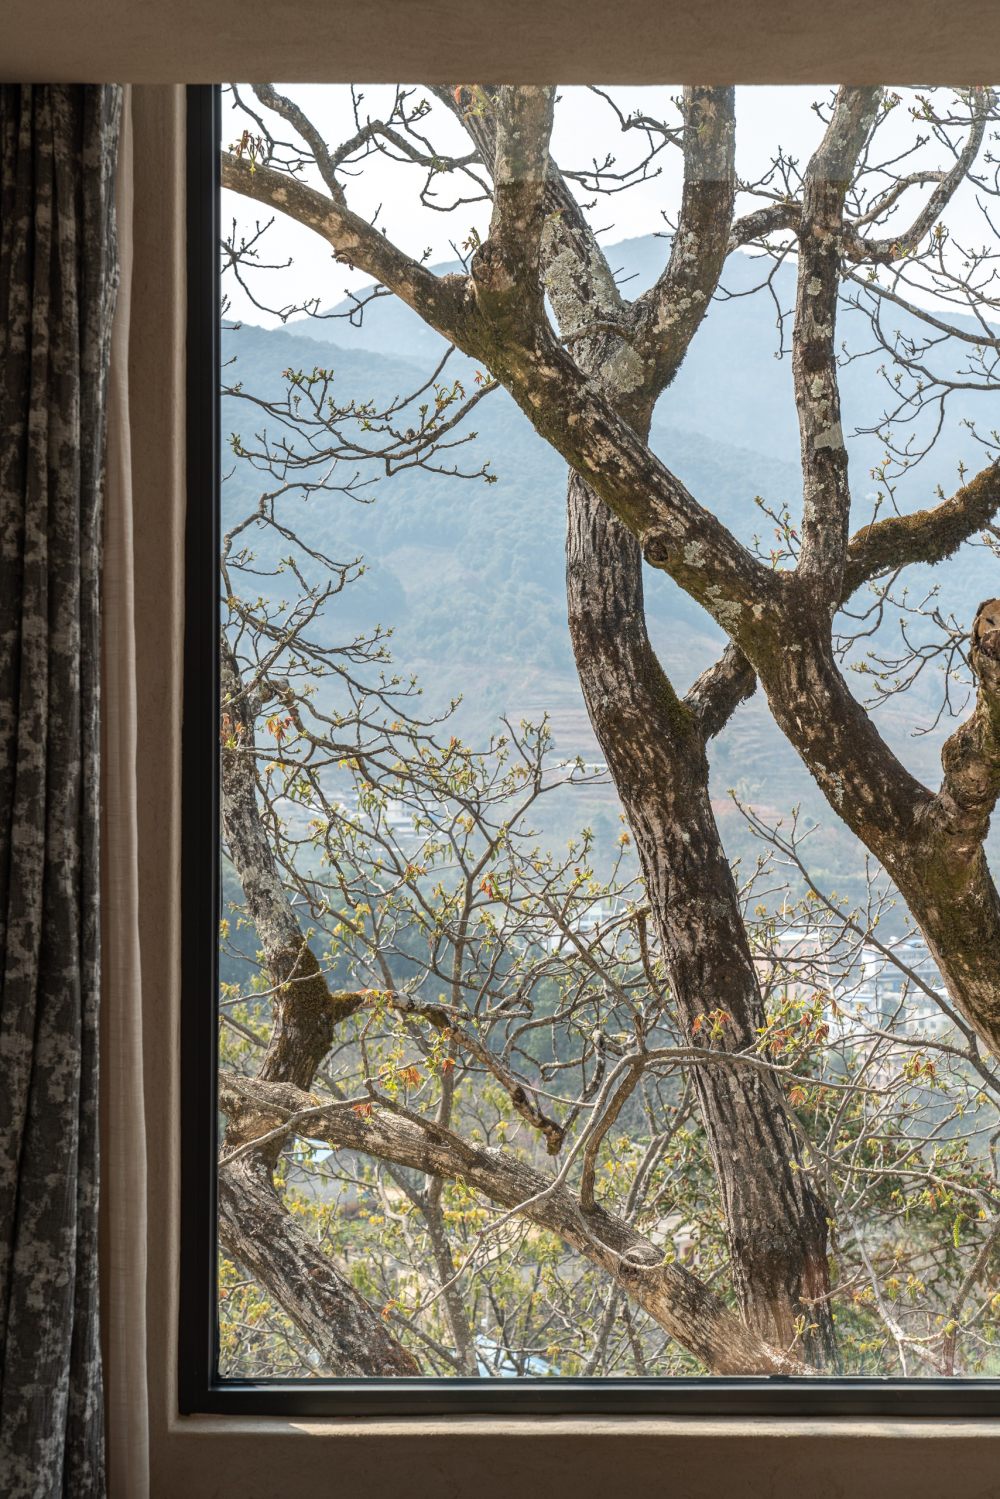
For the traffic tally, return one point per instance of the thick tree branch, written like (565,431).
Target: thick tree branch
(718,692)
(884,546)
(826,496)
(507,265)
(675,532)
(693,1315)
(305,1013)
(755,226)
(290,112)
(971,757)
(668,315)
(578,279)
(350,1336)
(438,299)
(945,879)
(253,1225)
(925,535)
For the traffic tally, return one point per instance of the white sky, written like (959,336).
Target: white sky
(585,128)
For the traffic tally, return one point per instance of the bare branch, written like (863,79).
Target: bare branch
(448,1022)
(354,240)
(300,121)
(895,247)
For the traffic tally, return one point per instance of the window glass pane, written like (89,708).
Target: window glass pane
(610,728)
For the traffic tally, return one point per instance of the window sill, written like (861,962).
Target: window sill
(244,1457)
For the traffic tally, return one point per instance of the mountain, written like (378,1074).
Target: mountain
(470,574)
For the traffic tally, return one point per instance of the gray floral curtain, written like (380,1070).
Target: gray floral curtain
(58,276)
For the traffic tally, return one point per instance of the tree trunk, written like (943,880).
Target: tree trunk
(776,1223)
(349,1335)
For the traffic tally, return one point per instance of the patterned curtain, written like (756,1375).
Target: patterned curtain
(58,278)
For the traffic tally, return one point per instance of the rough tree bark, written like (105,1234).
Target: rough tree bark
(776,1224)
(350,1336)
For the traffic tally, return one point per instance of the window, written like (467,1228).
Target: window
(553,1075)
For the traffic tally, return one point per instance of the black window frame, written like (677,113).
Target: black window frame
(200,1390)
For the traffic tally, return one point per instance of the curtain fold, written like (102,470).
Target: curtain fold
(58,279)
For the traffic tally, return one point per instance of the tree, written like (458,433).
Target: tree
(539,309)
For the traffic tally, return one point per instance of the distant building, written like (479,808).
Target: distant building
(898,990)
(584,924)
(893,990)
